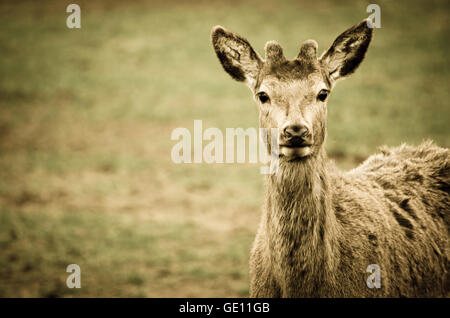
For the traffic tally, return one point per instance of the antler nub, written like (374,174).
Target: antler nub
(308,50)
(274,52)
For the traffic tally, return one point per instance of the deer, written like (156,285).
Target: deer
(321,227)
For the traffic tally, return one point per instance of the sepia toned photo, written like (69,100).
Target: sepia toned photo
(224,149)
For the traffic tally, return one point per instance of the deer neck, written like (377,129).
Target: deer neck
(301,225)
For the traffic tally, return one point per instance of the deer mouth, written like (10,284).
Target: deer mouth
(295,151)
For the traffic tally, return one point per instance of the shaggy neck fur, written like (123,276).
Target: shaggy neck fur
(302,227)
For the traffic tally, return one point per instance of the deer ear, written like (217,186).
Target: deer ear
(347,51)
(236,56)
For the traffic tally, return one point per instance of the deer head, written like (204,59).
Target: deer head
(292,94)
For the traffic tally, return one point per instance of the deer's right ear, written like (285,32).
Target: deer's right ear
(236,56)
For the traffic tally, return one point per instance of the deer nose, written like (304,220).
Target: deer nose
(295,132)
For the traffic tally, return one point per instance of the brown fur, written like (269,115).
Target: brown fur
(321,228)
(318,235)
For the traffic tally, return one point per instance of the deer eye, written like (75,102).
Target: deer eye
(323,94)
(263,97)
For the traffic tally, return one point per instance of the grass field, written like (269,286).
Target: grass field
(86,115)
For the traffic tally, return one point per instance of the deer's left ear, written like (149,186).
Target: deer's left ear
(347,51)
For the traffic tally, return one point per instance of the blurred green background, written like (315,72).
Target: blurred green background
(86,115)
